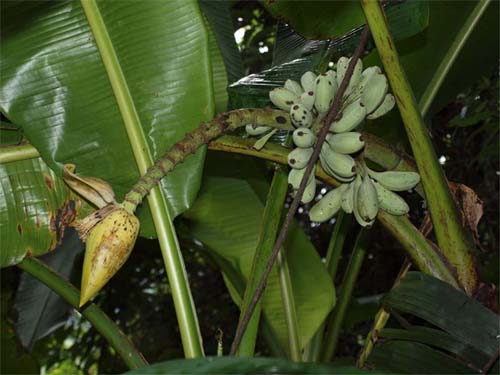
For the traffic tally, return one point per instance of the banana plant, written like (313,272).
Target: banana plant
(118,103)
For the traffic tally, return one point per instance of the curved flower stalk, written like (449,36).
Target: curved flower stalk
(363,192)
(111,231)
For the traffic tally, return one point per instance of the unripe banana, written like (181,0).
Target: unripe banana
(391,202)
(352,116)
(299,157)
(328,206)
(108,246)
(374,92)
(307,81)
(396,181)
(330,172)
(325,92)
(307,99)
(301,117)
(293,86)
(342,65)
(367,200)
(347,201)
(341,164)
(355,78)
(256,130)
(383,108)
(295,177)
(364,223)
(371,70)
(303,137)
(332,74)
(282,98)
(310,191)
(346,143)
(365,76)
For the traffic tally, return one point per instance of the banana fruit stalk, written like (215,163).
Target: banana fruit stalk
(108,246)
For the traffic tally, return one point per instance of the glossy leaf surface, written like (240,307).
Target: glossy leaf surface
(35,209)
(235,365)
(56,88)
(332,19)
(226,218)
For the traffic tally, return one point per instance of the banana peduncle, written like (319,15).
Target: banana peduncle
(192,141)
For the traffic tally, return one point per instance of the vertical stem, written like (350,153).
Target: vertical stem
(289,308)
(451,56)
(338,314)
(172,257)
(451,236)
(270,224)
(99,320)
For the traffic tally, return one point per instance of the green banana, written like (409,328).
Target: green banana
(327,206)
(383,108)
(346,143)
(307,99)
(307,81)
(295,177)
(374,92)
(355,78)
(256,130)
(365,76)
(367,200)
(301,116)
(361,221)
(391,202)
(310,191)
(347,202)
(352,116)
(299,157)
(342,64)
(293,86)
(282,98)
(394,180)
(325,92)
(303,137)
(340,164)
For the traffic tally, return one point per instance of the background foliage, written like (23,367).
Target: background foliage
(463,123)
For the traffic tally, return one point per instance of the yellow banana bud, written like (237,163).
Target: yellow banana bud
(108,245)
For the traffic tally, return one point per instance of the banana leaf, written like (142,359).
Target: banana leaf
(54,85)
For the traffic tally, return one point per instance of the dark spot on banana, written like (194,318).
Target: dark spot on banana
(310,93)
(289,102)
(295,107)
(280,119)
(292,161)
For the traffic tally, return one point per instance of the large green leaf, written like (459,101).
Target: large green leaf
(55,87)
(446,307)
(438,339)
(401,357)
(236,365)
(332,19)
(226,217)
(35,209)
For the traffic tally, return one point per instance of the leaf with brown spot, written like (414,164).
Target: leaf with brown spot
(33,217)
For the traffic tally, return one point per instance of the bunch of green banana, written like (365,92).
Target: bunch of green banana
(363,191)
